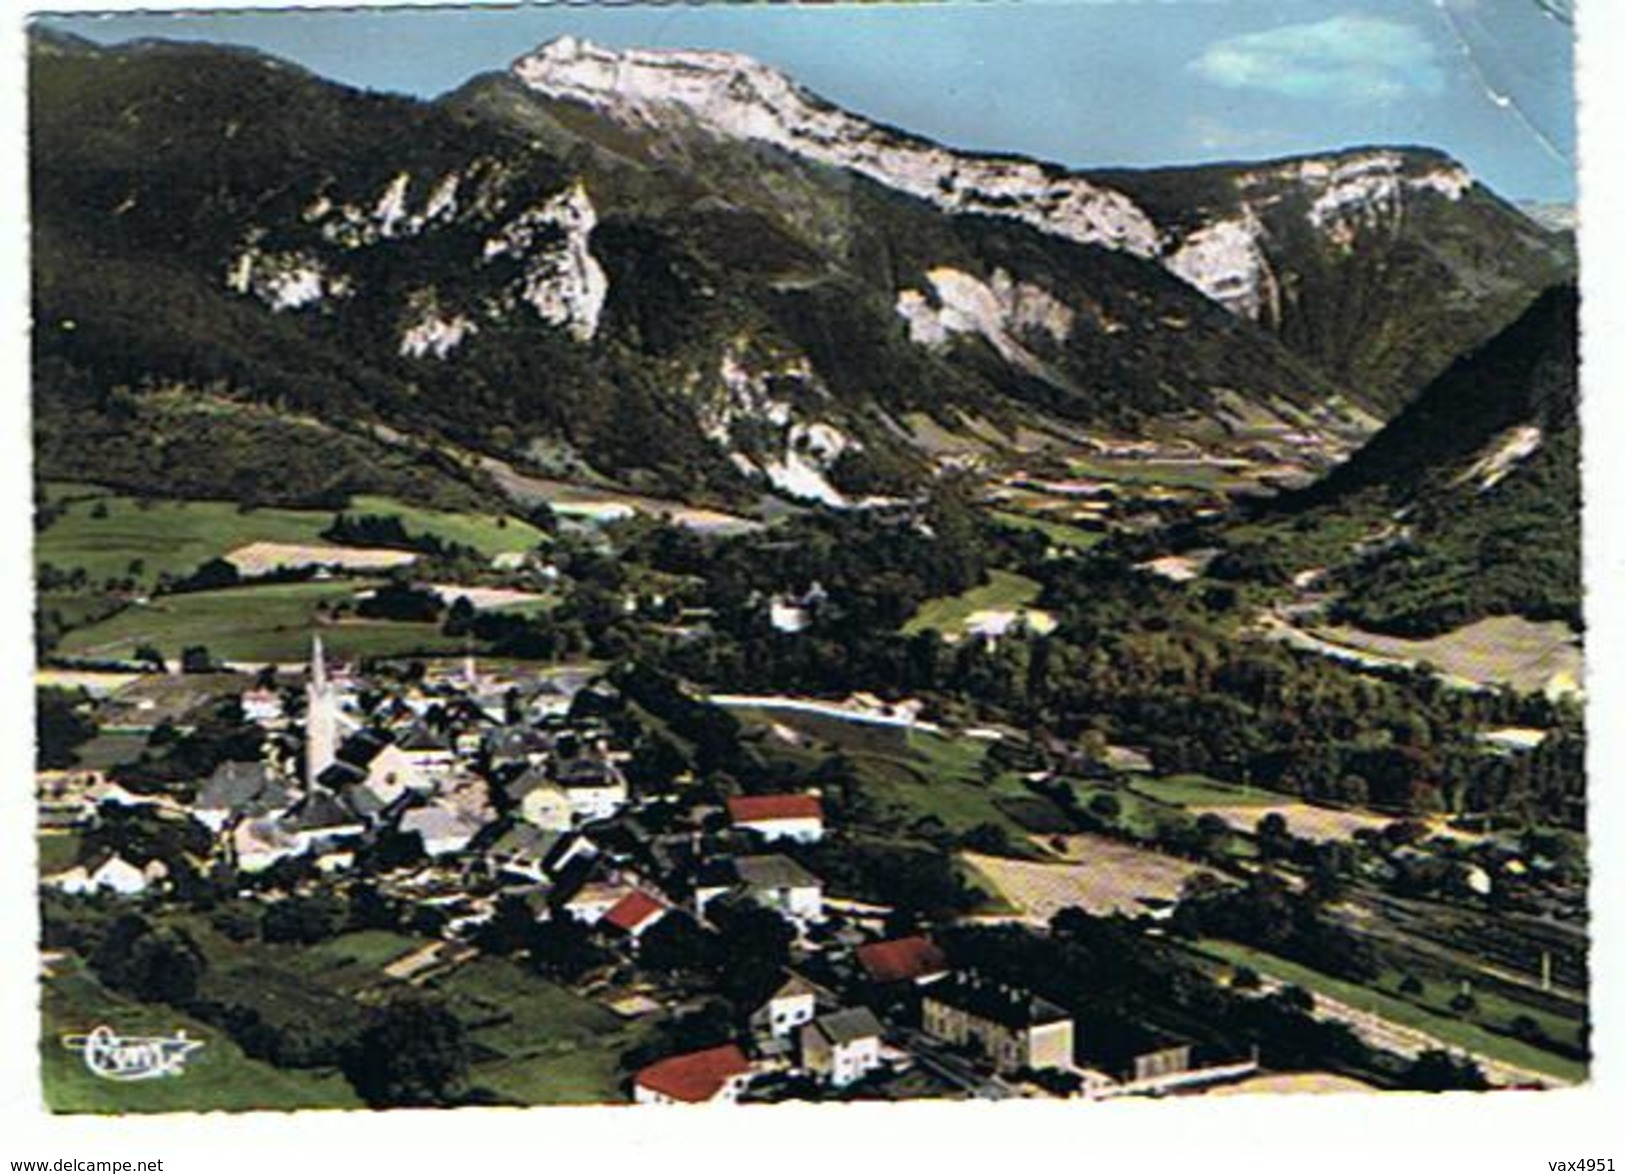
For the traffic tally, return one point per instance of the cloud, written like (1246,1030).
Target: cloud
(1343,59)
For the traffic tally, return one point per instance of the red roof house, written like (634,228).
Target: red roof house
(695,1078)
(635,912)
(913,959)
(798,817)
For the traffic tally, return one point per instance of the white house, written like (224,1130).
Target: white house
(779,817)
(259,843)
(594,899)
(442,830)
(841,1047)
(542,803)
(597,789)
(779,883)
(263,707)
(787,1009)
(114,874)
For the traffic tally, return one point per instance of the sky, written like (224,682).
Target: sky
(1086,83)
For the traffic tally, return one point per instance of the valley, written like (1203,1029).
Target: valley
(553,580)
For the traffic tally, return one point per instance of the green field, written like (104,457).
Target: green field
(546,1045)
(176,536)
(58,851)
(906,775)
(218,1076)
(172,536)
(1059,533)
(1136,813)
(272,622)
(111,748)
(1457,1032)
(1171,474)
(490,534)
(1004,591)
(1201,791)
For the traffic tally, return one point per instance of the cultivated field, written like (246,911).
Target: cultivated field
(1100,876)
(492,598)
(262,558)
(104,531)
(1501,650)
(1059,533)
(603,504)
(540,1044)
(269,623)
(1004,592)
(1200,791)
(1302,819)
(172,536)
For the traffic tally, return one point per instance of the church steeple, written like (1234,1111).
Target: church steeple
(321,717)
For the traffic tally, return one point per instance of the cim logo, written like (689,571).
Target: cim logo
(131,1057)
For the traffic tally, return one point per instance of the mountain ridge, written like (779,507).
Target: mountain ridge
(518,276)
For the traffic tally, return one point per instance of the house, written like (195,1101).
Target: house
(263,707)
(1013,1028)
(374,775)
(914,959)
(779,883)
(774,882)
(787,615)
(842,1047)
(634,913)
(597,788)
(321,820)
(427,750)
(517,744)
(240,790)
(779,817)
(1130,1052)
(523,851)
(713,1076)
(787,1009)
(256,844)
(442,829)
(593,900)
(541,802)
(110,873)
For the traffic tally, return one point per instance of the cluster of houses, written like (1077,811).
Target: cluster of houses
(809,1029)
(497,793)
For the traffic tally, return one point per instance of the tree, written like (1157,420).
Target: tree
(302,920)
(988,838)
(413,1054)
(1295,998)
(1106,807)
(755,946)
(60,728)
(1439,1071)
(154,964)
(562,948)
(676,944)
(509,929)
(195,658)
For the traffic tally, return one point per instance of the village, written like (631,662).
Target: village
(512,796)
